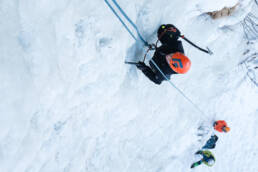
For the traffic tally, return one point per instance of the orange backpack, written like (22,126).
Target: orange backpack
(178,62)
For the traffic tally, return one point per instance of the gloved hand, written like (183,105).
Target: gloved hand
(140,65)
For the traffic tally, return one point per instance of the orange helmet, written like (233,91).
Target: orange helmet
(178,62)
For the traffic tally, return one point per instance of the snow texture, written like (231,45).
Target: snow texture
(70,104)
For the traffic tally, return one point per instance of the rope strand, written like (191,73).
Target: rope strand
(180,91)
(128,19)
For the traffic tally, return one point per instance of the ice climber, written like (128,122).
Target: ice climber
(169,57)
(221,126)
(208,159)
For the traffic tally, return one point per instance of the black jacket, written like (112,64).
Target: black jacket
(160,56)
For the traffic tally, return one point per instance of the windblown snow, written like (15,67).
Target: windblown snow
(69,103)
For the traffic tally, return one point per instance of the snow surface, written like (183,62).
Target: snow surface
(69,103)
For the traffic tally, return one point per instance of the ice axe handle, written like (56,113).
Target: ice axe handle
(208,51)
(131,63)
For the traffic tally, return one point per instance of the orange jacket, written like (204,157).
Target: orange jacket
(220,126)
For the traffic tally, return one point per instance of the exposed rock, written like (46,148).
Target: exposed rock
(226,11)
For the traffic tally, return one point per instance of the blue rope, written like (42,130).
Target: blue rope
(128,19)
(120,19)
(134,25)
(181,92)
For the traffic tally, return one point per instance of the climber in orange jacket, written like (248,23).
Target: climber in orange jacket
(221,126)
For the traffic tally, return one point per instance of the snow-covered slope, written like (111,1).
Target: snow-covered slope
(69,103)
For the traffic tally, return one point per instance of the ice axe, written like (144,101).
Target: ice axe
(208,51)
